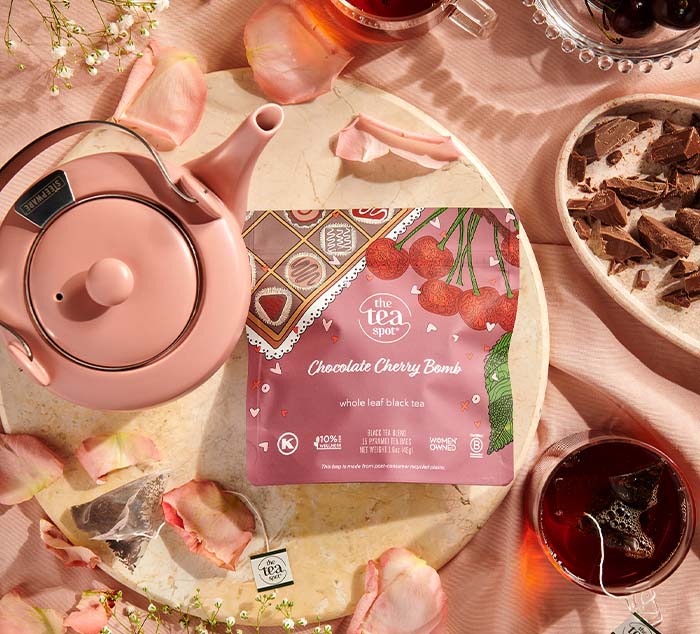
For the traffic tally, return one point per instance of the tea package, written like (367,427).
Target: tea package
(378,345)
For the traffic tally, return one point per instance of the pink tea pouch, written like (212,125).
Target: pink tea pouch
(378,345)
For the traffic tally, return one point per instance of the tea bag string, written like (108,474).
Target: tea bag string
(602,557)
(255,511)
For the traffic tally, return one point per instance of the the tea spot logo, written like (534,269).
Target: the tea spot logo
(385,318)
(272,570)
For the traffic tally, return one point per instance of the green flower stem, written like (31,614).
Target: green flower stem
(457,222)
(460,255)
(501,263)
(516,224)
(471,230)
(432,216)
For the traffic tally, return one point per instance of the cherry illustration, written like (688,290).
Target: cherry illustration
(478,309)
(439,297)
(506,310)
(386,260)
(428,259)
(510,247)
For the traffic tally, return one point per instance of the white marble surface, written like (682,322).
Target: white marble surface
(330,530)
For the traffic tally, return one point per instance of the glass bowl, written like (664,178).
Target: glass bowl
(570,22)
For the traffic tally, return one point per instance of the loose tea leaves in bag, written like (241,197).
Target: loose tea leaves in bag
(379,343)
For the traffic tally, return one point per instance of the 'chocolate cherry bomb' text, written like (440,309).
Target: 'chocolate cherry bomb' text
(382,366)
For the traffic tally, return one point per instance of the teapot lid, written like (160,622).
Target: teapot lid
(113,282)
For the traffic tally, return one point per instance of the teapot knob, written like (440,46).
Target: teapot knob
(110,282)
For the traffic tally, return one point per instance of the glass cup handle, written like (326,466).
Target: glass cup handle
(474,16)
(644,604)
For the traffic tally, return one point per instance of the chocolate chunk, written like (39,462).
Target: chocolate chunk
(582,228)
(691,166)
(684,188)
(691,283)
(614,157)
(606,207)
(683,268)
(606,137)
(644,120)
(578,206)
(636,192)
(688,223)
(576,170)
(695,120)
(677,298)
(617,267)
(615,243)
(675,146)
(661,240)
(669,126)
(586,188)
(641,280)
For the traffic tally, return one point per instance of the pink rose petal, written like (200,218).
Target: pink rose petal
(70,555)
(165,96)
(366,139)
(403,595)
(19,617)
(212,523)
(26,467)
(101,455)
(293,60)
(90,615)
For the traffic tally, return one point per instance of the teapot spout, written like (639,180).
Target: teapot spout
(226,170)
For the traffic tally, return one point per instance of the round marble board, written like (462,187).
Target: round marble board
(330,530)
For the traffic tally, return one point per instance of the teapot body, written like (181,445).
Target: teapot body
(79,349)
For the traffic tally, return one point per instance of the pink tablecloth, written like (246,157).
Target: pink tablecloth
(511,99)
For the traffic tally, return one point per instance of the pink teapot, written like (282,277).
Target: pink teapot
(125,282)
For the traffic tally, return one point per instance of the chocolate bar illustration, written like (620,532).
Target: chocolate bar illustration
(302,259)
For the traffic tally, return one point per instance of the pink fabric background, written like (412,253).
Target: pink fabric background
(512,100)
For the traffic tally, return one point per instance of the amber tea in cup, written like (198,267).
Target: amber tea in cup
(592,488)
(350,22)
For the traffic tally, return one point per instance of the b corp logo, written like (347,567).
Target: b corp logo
(287,443)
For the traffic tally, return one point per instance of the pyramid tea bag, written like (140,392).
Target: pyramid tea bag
(126,518)
(379,343)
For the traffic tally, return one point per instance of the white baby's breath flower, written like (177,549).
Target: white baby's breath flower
(105,630)
(144,32)
(130,47)
(66,72)
(112,29)
(11,45)
(58,51)
(230,621)
(239,631)
(317,630)
(92,71)
(153,25)
(102,54)
(151,608)
(218,603)
(162,5)
(125,21)
(288,624)
(90,59)
(327,629)
(302,622)
(243,615)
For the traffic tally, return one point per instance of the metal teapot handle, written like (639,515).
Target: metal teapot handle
(22,341)
(36,147)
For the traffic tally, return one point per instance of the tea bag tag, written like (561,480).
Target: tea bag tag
(635,624)
(272,570)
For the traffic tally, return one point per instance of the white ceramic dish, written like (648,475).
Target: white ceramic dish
(681,326)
